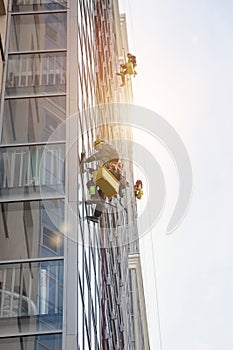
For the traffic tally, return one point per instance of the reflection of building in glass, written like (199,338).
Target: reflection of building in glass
(65,282)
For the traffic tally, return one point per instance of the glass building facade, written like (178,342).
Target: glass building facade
(65,283)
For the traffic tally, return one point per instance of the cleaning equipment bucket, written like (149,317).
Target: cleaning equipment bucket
(130,69)
(106,181)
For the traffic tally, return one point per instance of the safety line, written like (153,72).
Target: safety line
(156,291)
(155,277)
(103,280)
(131,24)
(155,283)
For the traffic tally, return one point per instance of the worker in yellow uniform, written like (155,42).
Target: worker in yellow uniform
(110,159)
(122,73)
(132,60)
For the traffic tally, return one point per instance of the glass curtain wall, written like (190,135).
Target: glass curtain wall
(32,177)
(89,258)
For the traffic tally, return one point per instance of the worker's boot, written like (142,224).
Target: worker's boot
(93,219)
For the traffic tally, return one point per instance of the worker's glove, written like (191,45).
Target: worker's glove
(89,159)
(82,157)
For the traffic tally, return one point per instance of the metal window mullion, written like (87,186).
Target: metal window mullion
(26,334)
(52,168)
(21,290)
(3,291)
(33,199)
(27,70)
(59,167)
(24,176)
(28,168)
(48,274)
(41,70)
(33,260)
(14,145)
(12,291)
(12,169)
(56,168)
(21,168)
(23,97)
(37,12)
(54,174)
(20,71)
(56,290)
(36,175)
(54,70)
(5,169)
(43,168)
(47,70)
(61,71)
(33,60)
(29,294)
(31,53)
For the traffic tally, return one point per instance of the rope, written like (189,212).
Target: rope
(131,25)
(103,281)
(155,283)
(156,293)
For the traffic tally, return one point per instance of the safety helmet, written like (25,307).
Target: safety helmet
(139,182)
(96,142)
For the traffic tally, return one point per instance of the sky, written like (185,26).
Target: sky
(184,52)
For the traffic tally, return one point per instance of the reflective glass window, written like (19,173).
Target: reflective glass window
(31,229)
(33,119)
(38,32)
(31,296)
(38,5)
(33,74)
(31,172)
(42,342)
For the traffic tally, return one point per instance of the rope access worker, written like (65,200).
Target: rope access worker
(104,152)
(138,191)
(132,59)
(110,158)
(123,72)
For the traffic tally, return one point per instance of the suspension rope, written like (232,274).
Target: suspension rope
(156,291)
(155,279)
(103,280)
(130,12)
(131,25)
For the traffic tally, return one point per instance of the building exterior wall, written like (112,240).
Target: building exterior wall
(3,23)
(64,282)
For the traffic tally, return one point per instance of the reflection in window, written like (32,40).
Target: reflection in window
(31,296)
(23,225)
(31,171)
(51,240)
(38,32)
(33,119)
(38,5)
(42,342)
(36,73)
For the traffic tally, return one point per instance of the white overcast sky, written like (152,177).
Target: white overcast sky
(185,73)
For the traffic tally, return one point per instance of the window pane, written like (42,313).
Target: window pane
(31,172)
(33,119)
(31,296)
(36,74)
(38,32)
(24,229)
(38,5)
(42,342)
